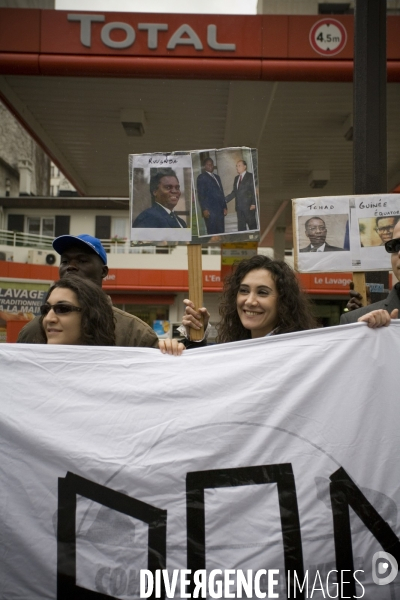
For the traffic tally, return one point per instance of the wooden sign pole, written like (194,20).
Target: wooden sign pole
(360,286)
(195,284)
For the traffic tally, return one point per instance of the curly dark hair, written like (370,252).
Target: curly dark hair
(97,324)
(294,309)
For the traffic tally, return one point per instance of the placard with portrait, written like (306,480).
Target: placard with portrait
(344,233)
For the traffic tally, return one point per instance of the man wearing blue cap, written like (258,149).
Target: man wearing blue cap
(84,256)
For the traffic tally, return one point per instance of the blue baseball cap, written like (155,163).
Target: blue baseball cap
(64,242)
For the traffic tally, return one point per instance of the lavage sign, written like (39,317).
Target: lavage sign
(259,469)
(16,300)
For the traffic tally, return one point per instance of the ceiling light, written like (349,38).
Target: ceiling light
(133,121)
(318,179)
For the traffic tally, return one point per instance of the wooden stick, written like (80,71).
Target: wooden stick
(195,284)
(360,286)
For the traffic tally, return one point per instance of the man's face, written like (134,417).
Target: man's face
(82,262)
(209,165)
(395,258)
(240,167)
(385,228)
(316,232)
(168,192)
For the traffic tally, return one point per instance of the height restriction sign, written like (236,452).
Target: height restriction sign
(328,37)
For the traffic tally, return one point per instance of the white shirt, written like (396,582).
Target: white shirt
(320,249)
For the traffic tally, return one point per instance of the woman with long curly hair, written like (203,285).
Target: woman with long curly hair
(75,312)
(261,297)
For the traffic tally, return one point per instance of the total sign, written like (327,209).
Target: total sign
(328,37)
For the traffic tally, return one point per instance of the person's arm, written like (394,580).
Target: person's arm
(379,318)
(355,300)
(190,320)
(232,195)
(192,317)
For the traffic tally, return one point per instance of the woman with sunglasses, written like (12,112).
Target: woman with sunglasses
(77,312)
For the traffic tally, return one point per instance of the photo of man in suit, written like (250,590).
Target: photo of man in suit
(165,192)
(316,232)
(245,200)
(211,198)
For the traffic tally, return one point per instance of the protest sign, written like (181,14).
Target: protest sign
(160,197)
(201,197)
(344,233)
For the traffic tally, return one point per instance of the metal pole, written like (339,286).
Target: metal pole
(369,97)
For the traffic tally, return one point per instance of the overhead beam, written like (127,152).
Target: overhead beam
(40,135)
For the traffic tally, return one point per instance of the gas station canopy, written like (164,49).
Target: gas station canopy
(94,87)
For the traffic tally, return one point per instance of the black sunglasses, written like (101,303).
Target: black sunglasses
(393,246)
(59,309)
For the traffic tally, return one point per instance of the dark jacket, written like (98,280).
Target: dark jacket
(328,248)
(210,193)
(211,197)
(391,302)
(244,194)
(156,217)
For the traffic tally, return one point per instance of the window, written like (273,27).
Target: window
(48,226)
(40,226)
(111,228)
(119,228)
(34,225)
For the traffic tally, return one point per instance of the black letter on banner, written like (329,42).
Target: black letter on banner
(73,485)
(281,474)
(345,493)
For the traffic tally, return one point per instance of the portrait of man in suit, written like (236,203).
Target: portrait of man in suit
(165,192)
(316,232)
(211,198)
(245,199)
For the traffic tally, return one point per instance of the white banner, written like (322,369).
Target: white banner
(278,455)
